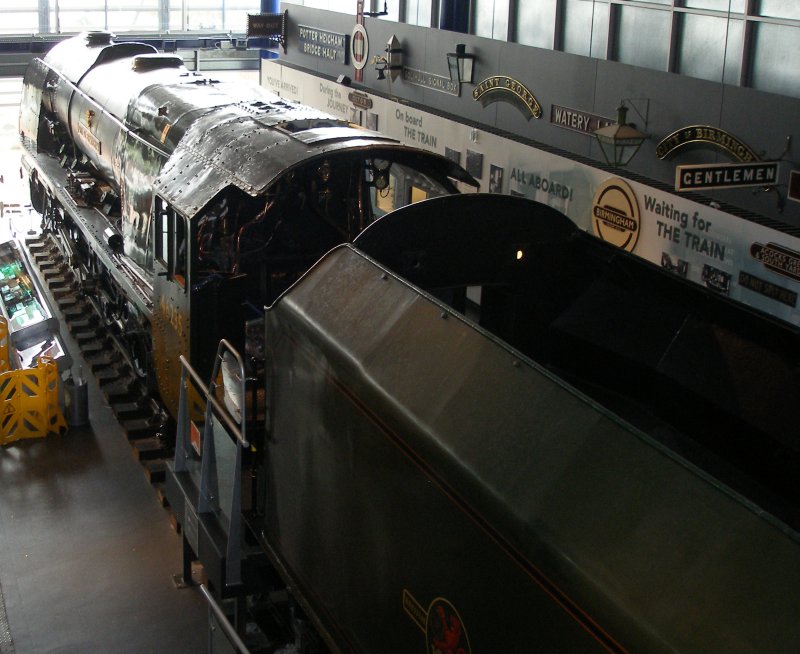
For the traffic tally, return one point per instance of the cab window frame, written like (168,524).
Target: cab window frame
(171,242)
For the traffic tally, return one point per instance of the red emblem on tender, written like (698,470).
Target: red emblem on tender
(445,633)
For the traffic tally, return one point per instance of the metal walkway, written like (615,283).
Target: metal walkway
(87,553)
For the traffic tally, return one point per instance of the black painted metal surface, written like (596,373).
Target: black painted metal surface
(421,473)
(709,378)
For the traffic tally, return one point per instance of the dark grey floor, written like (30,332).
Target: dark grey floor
(86,552)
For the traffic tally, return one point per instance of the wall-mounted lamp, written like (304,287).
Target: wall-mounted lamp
(391,61)
(620,141)
(381,65)
(460,64)
(375,14)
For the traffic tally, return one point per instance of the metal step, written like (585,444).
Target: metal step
(141,427)
(75,311)
(122,392)
(145,449)
(131,411)
(140,417)
(103,360)
(155,470)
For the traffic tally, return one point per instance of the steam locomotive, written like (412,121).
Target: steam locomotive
(187,203)
(473,428)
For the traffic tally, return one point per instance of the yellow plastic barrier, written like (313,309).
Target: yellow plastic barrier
(5,346)
(29,406)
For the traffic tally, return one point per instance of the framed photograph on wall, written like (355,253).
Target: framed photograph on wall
(475,164)
(372,121)
(495,179)
(453,155)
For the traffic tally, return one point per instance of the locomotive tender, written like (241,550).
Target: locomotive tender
(590,455)
(483,430)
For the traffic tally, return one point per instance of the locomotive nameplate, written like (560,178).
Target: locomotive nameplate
(173,316)
(501,88)
(90,138)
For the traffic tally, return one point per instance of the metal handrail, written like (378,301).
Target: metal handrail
(208,498)
(223,622)
(220,410)
(223,348)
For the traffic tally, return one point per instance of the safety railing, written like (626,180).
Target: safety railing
(213,458)
(222,637)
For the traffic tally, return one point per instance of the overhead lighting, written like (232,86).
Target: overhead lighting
(620,141)
(461,64)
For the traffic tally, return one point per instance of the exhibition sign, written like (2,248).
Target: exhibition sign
(744,260)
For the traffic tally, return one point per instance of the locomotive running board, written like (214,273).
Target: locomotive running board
(92,224)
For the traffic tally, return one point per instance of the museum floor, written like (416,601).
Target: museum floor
(87,553)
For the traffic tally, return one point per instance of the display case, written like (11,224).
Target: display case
(32,327)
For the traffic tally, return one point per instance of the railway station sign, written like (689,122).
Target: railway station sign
(323,44)
(268,26)
(576,120)
(708,176)
(431,81)
(360,100)
(265,25)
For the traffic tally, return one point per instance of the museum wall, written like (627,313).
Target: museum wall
(659,103)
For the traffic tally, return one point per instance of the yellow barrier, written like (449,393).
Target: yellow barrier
(5,346)
(29,406)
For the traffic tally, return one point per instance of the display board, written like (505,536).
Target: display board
(744,260)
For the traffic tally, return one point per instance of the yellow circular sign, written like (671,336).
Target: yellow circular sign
(615,214)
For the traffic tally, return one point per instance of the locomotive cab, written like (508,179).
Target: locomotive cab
(214,269)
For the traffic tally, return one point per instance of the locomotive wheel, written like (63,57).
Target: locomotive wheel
(37,193)
(140,355)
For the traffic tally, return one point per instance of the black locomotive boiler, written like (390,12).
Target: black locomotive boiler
(187,204)
(474,429)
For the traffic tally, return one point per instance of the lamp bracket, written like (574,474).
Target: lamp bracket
(376,14)
(646,106)
(786,149)
(780,201)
